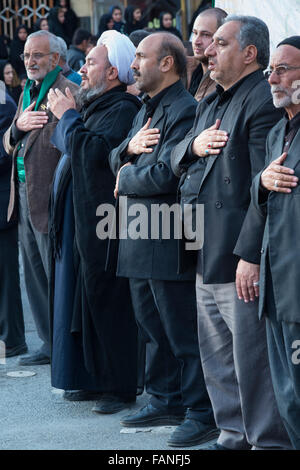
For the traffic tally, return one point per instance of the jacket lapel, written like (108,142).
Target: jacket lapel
(293,157)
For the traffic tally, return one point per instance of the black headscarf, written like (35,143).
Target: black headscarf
(168,30)
(71,19)
(103,23)
(130,24)
(13,91)
(16,49)
(118,26)
(56,27)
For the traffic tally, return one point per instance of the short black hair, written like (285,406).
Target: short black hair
(171,45)
(137,36)
(80,35)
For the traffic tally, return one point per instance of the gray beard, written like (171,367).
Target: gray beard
(86,97)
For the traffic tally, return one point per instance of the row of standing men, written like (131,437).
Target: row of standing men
(236,390)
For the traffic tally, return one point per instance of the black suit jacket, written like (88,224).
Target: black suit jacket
(280,218)
(7,112)
(150,181)
(222,183)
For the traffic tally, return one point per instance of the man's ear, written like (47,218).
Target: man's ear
(166,63)
(112,73)
(250,54)
(55,58)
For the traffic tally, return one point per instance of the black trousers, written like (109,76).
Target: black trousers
(284,365)
(11,312)
(167,317)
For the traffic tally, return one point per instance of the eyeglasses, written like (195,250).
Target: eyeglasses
(280,70)
(35,56)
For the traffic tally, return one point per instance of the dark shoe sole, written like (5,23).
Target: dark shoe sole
(159,421)
(17,351)
(209,436)
(111,411)
(41,362)
(82,397)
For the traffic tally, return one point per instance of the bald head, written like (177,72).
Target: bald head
(167,44)
(160,61)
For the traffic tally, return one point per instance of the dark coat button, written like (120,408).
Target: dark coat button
(218,205)
(232,157)
(226,180)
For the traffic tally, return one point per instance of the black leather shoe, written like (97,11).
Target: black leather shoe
(192,433)
(215,446)
(34,359)
(110,404)
(81,395)
(150,416)
(16,351)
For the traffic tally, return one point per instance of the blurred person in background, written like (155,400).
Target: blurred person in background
(41,24)
(105,23)
(57,24)
(166,24)
(71,19)
(11,312)
(116,14)
(77,51)
(12,83)
(67,72)
(17,48)
(133,18)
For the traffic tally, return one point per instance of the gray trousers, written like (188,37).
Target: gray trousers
(285,365)
(11,312)
(34,250)
(233,351)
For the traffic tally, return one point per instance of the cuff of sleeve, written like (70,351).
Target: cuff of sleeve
(16,134)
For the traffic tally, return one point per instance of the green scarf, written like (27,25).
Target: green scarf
(46,85)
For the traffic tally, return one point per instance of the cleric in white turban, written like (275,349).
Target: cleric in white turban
(92,322)
(121,53)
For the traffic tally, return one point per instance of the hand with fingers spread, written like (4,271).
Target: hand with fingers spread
(30,120)
(144,140)
(211,141)
(247,281)
(60,103)
(118,178)
(277,177)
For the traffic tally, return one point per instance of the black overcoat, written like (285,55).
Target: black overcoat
(279,216)
(149,181)
(222,182)
(102,313)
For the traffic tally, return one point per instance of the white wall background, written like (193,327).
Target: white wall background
(281,16)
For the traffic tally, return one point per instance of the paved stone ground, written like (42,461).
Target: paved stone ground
(35,416)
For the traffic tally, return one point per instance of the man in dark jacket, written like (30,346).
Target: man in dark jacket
(163,299)
(275,208)
(11,313)
(76,52)
(94,335)
(219,158)
(33,165)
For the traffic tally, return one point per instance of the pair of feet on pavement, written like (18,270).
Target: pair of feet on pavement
(189,431)
(34,359)
(105,404)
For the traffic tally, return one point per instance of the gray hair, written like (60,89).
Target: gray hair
(254,32)
(63,48)
(53,40)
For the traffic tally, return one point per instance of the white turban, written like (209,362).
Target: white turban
(121,53)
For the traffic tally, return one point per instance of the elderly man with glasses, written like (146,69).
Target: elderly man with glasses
(34,163)
(275,205)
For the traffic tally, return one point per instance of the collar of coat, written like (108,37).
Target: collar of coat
(47,83)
